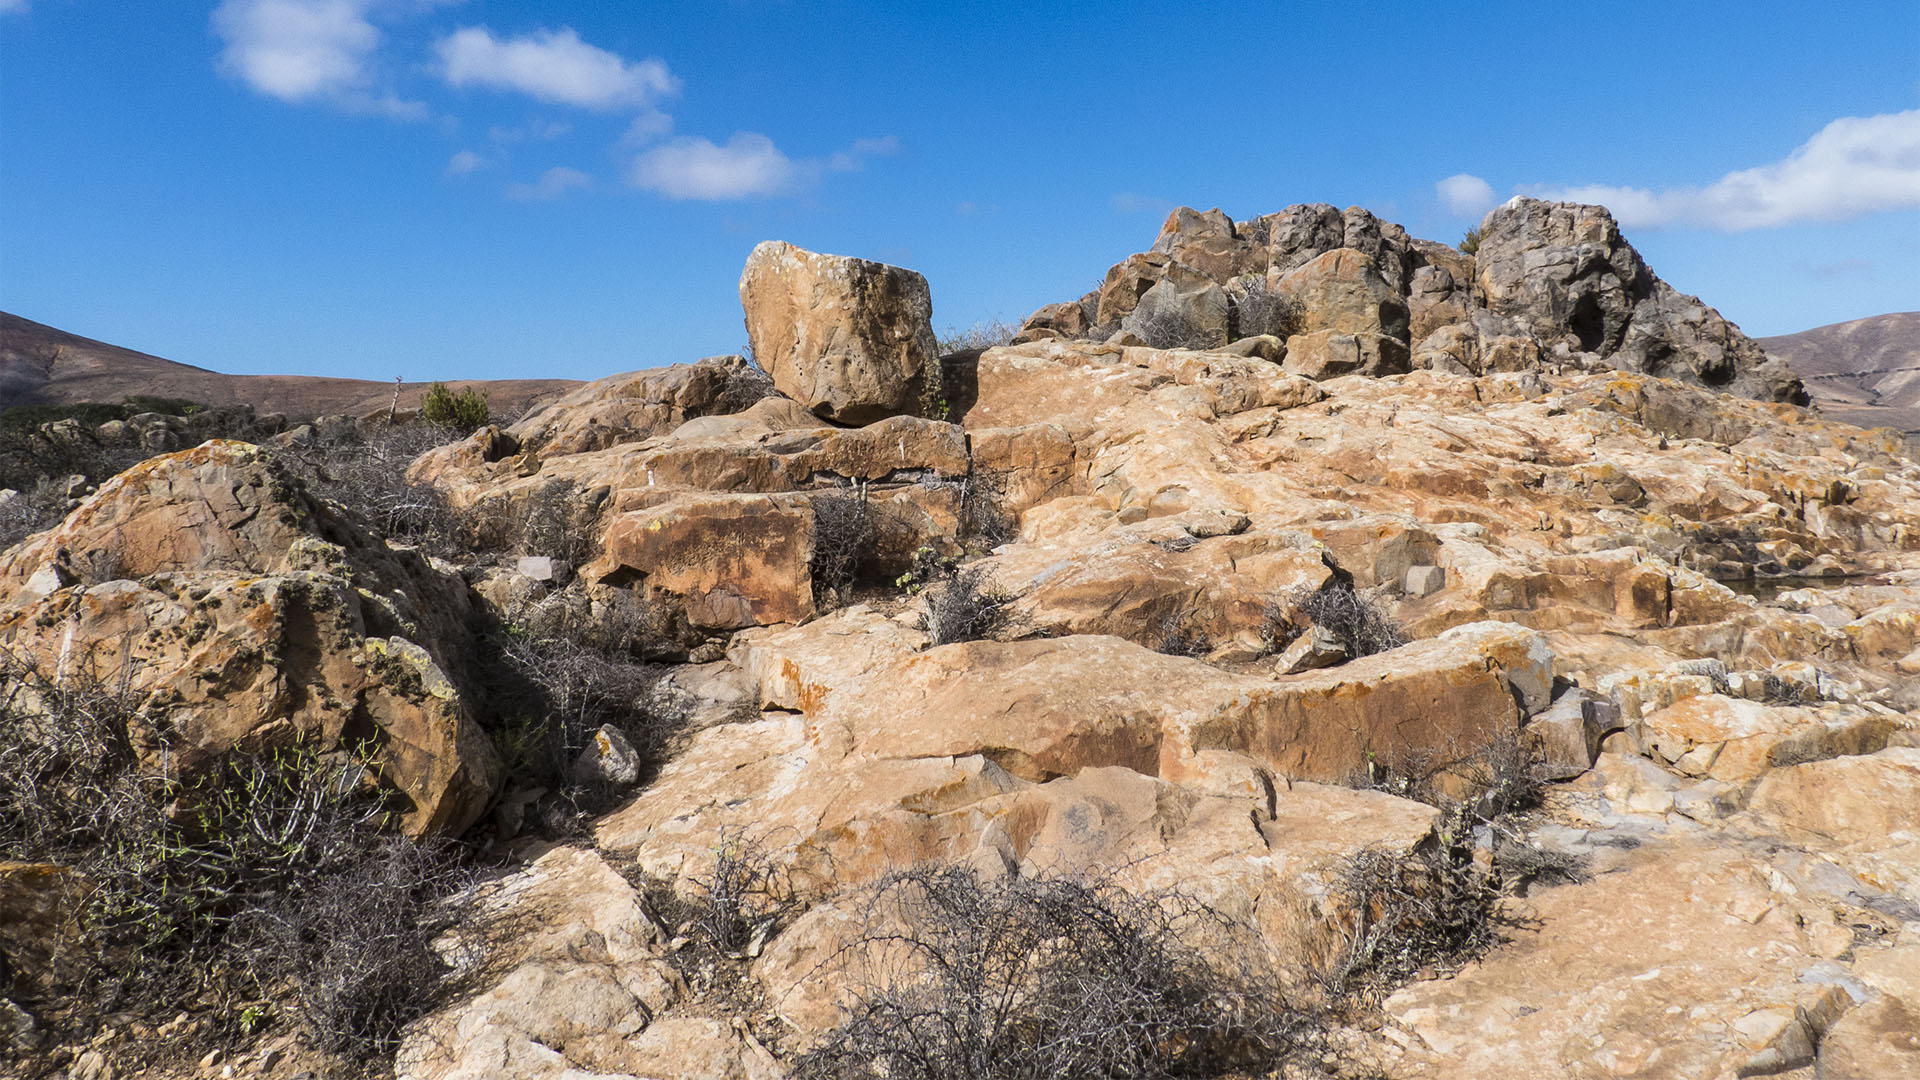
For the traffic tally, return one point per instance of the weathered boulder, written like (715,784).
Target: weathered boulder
(575,975)
(245,614)
(850,339)
(1211,243)
(1183,310)
(1328,354)
(729,561)
(1342,292)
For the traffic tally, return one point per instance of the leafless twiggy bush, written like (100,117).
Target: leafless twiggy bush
(1168,328)
(744,897)
(367,474)
(844,532)
(985,334)
(1399,913)
(962,977)
(1360,621)
(1259,309)
(968,607)
(1177,634)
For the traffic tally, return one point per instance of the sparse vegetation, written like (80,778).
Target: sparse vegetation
(367,474)
(1260,309)
(1401,913)
(985,334)
(271,876)
(1470,243)
(1359,620)
(963,977)
(1177,634)
(968,606)
(463,412)
(1170,328)
(744,897)
(844,532)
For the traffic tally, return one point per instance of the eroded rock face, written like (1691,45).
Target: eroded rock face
(852,340)
(245,614)
(1566,270)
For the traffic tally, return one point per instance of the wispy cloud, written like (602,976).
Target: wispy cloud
(748,166)
(553,184)
(1465,195)
(13,7)
(1855,166)
(464,162)
(553,66)
(1130,202)
(539,130)
(305,51)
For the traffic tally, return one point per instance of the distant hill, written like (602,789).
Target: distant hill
(43,365)
(1865,372)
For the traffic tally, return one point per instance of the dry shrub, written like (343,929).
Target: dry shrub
(844,533)
(562,669)
(747,384)
(965,977)
(968,607)
(367,474)
(744,897)
(272,872)
(1170,328)
(1360,621)
(1403,913)
(1259,309)
(1177,634)
(985,334)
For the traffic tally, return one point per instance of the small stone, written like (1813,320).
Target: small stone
(1315,649)
(537,567)
(1425,580)
(608,759)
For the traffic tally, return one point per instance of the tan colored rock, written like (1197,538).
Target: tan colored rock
(1342,292)
(729,561)
(1869,799)
(1458,691)
(259,617)
(1736,740)
(1327,354)
(1700,976)
(850,339)
(583,975)
(1877,1041)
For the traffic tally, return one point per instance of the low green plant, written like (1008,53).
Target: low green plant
(1470,243)
(466,410)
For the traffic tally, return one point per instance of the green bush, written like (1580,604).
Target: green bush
(466,410)
(1470,243)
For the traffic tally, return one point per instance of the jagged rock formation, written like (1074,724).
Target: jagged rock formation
(1550,283)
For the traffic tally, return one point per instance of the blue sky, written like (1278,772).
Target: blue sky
(438,189)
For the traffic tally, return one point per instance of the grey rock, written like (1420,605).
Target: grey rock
(1315,649)
(608,759)
(1425,580)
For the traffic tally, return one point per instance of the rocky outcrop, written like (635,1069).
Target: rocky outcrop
(1550,284)
(1565,270)
(851,340)
(243,613)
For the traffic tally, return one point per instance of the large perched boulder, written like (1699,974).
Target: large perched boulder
(850,339)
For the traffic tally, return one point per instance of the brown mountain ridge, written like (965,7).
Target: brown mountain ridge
(43,365)
(1864,371)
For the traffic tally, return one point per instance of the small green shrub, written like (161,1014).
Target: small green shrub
(1470,243)
(465,411)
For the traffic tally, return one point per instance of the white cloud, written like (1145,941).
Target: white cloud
(1855,166)
(651,124)
(1465,195)
(552,184)
(748,165)
(13,7)
(538,130)
(307,50)
(554,66)
(464,162)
